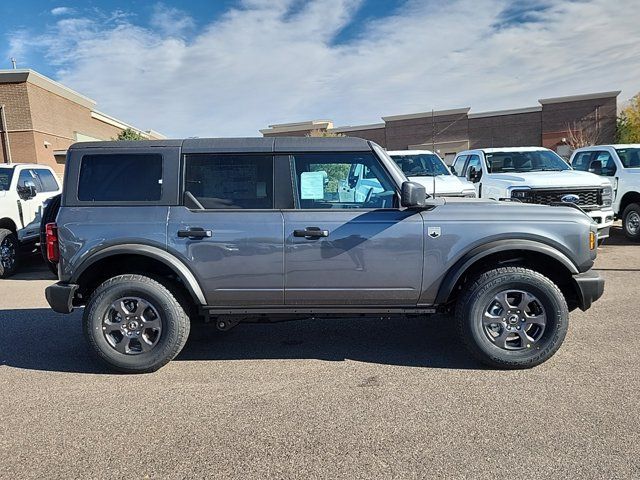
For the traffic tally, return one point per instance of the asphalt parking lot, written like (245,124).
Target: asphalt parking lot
(345,398)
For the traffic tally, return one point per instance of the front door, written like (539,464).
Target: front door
(356,251)
(228,231)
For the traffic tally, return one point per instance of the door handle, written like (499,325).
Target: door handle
(311,232)
(195,232)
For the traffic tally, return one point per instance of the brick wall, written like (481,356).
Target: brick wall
(517,130)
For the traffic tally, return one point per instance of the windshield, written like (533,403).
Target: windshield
(532,161)
(5,178)
(421,165)
(630,157)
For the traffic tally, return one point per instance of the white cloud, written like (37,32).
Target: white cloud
(264,63)
(57,11)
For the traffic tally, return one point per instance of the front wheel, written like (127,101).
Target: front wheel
(512,318)
(9,249)
(135,324)
(631,222)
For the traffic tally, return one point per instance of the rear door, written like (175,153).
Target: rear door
(229,230)
(360,251)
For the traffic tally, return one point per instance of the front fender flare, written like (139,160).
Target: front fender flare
(186,275)
(460,267)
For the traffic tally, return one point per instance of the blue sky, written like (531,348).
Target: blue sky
(230,67)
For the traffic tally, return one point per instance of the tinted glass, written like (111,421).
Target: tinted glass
(608,166)
(525,161)
(5,178)
(458,165)
(230,181)
(28,178)
(630,157)
(342,180)
(421,165)
(474,161)
(582,161)
(48,181)
(120,178)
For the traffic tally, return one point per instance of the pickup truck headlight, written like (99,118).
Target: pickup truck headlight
(607,196)
(522,195)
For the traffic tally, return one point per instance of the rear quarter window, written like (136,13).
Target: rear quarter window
(120,178)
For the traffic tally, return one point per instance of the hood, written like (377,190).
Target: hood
(444,184)
(567,178)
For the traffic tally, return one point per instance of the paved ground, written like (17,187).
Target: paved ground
(326,399)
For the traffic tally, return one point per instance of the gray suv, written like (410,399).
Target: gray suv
(152,235)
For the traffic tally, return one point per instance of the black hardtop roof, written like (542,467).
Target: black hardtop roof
(248,144)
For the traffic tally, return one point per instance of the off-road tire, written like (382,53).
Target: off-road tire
(633,209)
(9,236)
(175,323)
(49,215)
(477,295)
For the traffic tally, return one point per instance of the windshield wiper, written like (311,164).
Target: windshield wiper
(420,175)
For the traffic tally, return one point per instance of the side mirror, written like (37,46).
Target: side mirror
(28,191)
(413,195)
(596,167)
(474,175)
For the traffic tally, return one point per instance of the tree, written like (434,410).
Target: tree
(324,133)
(628,128)
(129,134)
(335,171)
(583,134)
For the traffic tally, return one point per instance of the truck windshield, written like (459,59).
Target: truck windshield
(5,178)
(630,157)
(525,161)
(421,165)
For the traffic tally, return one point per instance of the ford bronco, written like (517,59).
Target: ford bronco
(152,235)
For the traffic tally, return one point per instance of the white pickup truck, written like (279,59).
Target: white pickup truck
(428,169)
(24,188)
(619,165)
(536,175)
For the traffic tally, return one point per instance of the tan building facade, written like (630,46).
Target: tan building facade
(41,118)
(547,124)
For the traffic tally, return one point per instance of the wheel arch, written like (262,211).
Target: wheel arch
(628,198)
(8,224)
(532,254)
(136,258)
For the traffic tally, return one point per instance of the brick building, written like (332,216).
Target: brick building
(450,131)
(40,118)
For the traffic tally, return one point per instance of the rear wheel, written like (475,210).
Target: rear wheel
(631,222)
(135,324)
(512,318)
(9,249)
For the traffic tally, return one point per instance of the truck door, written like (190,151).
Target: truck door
(28,188)
(473,172)
(228,229)
(361,251)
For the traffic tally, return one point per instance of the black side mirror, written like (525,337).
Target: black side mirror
(27,192)
(413,195)
(596,167)
(474,175)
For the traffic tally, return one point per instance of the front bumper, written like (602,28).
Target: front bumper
(60,296)
(604,219)
(590,287)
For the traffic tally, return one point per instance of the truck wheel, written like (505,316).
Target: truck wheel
(135,324)
(9,247)
(512,317)
(631,222)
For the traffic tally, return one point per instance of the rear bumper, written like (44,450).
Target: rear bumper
(60,296)
(590,287)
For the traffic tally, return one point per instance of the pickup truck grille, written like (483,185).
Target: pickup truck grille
(589,199)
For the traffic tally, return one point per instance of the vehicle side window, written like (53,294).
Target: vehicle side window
(28,178)
(458,165)
(475,163)
(230,181)
(120,177)
(48,181)
(342,180)
(607,164)
(582,161)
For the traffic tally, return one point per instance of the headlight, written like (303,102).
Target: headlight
(607,196)
(522,195)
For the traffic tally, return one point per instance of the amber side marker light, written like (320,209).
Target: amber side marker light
(592,240)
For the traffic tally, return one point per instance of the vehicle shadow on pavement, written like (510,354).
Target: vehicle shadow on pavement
(32,267)
(617,237)
(39,339)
